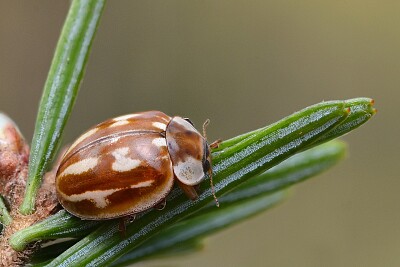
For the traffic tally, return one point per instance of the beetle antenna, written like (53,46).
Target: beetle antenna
(210,172)
(205,124)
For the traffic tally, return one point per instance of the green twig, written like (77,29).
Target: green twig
(232,166)
(240,203)
(60,90)
(361,110)
(291,171)
(189,231)
(60,225)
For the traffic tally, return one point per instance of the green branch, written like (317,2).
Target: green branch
(232,166)
(60,91)
(291,171)
(250,198)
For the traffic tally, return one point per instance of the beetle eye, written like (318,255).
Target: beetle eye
(206,166)
(207,151)
(189,121)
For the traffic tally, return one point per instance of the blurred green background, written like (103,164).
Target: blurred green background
(243,64)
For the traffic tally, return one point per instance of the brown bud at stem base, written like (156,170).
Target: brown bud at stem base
(14,157)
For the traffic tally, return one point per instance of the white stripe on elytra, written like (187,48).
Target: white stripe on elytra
(126,117)
(81,138)
(161,141)
(99,197)
(118,123)
(164,119)
(80,166)
(160,125)
(123,163)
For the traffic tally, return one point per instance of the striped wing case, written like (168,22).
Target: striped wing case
(117,168)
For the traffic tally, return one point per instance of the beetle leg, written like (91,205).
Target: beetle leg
(216,143)
(131,218)
(122,226)
(196,187)
(161,205)
(189,190)
(122,223)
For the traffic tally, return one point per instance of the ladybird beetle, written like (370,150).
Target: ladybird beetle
(129,164)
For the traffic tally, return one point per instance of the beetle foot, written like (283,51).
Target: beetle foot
(161,205)
(215,144)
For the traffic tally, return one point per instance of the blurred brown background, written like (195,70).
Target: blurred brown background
(243,64)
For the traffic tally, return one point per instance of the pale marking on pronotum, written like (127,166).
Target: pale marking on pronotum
(126,117)
(184,124)
(159,142)
(160,125)
(80,167)
(99,197)
(118,123)
(81,138)
(123,163)
(190,171)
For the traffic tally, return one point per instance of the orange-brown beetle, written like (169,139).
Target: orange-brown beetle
(129,164)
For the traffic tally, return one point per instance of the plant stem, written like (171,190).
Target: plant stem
(291,171)
(188,231)
(232,166)
(60,91)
